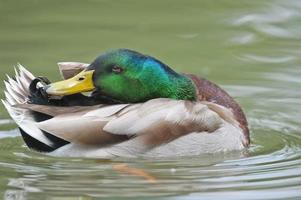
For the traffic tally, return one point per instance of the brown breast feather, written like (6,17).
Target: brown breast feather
(208,91)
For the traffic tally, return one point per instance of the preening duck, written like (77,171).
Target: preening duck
(136,106)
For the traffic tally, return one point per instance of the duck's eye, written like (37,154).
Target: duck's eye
(81,78)
(117,69)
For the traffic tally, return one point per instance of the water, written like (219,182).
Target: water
(250,48)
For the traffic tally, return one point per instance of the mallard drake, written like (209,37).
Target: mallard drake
(137,106)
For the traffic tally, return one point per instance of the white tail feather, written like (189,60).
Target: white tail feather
(17,77)
(16,86)
(13,94)
(9,98)
(17,93)
(26,72)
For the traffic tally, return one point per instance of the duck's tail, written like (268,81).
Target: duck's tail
(17,92)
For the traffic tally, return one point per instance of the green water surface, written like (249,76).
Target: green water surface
(250,48)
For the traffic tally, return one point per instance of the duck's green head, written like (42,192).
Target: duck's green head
(128,76)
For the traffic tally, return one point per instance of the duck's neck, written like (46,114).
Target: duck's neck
(181,88)
(166,83)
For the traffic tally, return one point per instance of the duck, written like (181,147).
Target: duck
(124,104)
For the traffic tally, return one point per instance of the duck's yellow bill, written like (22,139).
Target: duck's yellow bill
(82,82)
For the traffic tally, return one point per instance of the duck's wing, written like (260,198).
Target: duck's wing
(70,69)
(147,125)
(160,121)
(82,125)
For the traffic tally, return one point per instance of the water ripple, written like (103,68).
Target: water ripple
(261,70)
